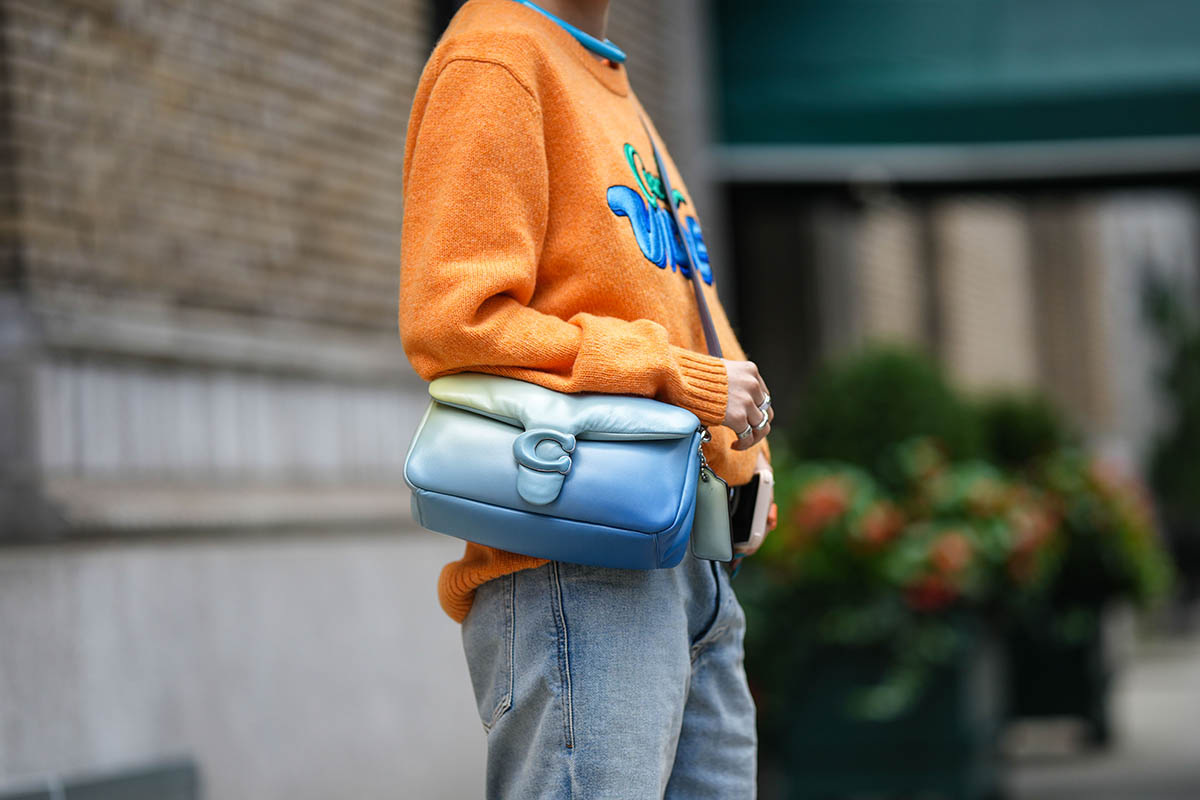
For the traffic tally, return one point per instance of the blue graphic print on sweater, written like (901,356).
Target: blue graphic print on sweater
(651,222)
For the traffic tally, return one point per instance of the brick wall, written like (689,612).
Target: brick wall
(240,155)
(245,155)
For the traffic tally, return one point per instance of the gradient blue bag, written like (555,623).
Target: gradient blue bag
(589,478)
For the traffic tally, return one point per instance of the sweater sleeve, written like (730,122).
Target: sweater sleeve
(476,202)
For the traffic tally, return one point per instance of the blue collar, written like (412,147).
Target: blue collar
(605,48)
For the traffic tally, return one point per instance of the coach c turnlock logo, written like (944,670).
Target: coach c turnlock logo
(540,475)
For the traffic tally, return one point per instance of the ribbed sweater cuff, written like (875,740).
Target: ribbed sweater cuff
(705,388)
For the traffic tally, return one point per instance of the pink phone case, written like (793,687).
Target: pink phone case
(762,507)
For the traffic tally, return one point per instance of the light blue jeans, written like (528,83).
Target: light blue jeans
(606,683)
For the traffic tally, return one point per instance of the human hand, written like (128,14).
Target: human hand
(747,391)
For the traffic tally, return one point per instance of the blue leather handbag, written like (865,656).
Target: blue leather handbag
(590,478)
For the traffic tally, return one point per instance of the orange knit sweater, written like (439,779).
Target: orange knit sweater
(533,245)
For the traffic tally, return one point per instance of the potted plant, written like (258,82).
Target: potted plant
(869,646)
(1107,551)
(1173,466)
(1110,552)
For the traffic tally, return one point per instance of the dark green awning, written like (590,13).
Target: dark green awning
(920,72)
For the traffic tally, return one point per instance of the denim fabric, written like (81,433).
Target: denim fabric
(594,682)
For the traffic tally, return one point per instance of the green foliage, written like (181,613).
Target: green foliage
(1174,462)
(905,509)
(1019,428)
(1109,544)
(851,564)
(1114,548)
(857,409)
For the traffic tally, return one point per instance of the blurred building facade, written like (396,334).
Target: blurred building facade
(991,181)
(1008,287)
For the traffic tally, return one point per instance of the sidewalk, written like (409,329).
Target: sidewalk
(1156,755)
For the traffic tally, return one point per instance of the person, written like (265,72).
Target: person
(535,245)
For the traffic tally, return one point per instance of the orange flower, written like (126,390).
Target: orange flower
(1105,473)
(930,593)
(951,552)
(821,502)
(1126,493)
(1032,526)
(880,524)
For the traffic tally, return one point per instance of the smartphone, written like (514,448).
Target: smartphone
(748,519)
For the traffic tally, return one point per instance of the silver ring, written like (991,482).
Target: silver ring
(765,404)
(764,422)
(748,432)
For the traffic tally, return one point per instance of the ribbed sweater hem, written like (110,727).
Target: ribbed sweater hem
(459,579)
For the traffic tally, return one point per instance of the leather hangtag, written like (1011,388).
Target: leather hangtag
(710,528)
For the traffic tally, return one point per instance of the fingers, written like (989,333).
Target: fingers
(759,415)
(758,434)
(750,441)
(760,394)
(747,391)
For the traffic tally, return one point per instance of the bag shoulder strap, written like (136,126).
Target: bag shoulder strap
(710,332)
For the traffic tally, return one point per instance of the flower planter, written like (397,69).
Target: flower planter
(942,745)
(1051,676)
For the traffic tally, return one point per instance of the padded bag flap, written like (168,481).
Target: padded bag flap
(585,415)
(514,444)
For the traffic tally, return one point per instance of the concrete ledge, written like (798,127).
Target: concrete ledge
(69,321)
(119,508)
(955,162)
(174,779)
